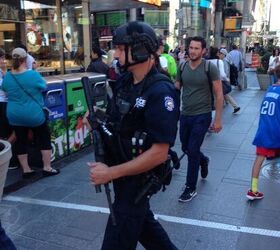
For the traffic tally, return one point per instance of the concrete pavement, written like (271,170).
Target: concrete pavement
(64,212)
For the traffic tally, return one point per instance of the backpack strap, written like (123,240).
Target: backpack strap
(207,71)
(182,67)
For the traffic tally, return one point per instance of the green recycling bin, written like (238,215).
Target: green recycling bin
(78,133)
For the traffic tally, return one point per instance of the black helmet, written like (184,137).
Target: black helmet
(140,37)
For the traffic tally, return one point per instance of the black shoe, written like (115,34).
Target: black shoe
(28,175)
(187,195)
(236,110)
(175,159)
(50,172)
(204,167)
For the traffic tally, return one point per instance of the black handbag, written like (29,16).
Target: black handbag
(45,110)
(226,87)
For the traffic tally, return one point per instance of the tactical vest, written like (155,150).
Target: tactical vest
(128,116)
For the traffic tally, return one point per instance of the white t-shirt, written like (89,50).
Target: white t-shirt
(29,61)
(3,96)
(273,62)
(181,57)
(163,62)
(220,65)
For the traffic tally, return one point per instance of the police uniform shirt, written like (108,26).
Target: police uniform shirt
(156,111)
(160,104)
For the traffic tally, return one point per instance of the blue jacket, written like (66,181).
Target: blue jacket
(22,110)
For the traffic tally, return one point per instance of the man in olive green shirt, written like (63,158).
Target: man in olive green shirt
(196,113)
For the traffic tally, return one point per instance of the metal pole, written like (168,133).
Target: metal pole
(132,14)
(195,17)
(219,6)
(60,36)
(218,29)
(86,32)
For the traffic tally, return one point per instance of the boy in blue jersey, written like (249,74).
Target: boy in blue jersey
(267,139)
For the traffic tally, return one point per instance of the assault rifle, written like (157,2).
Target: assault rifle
(96,98)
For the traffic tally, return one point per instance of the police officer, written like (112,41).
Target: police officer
(141,105)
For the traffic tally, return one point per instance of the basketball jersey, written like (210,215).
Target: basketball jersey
(268,133)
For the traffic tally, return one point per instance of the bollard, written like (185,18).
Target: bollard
(5,156)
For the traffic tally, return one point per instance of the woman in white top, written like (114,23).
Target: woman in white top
(214,57)
(273,62)
(6,131)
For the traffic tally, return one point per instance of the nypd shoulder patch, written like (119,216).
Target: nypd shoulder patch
(169,103)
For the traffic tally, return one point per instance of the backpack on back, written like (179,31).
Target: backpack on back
(233,74)
(171,65)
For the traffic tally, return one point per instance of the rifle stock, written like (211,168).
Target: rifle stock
(94,132)
(97,140)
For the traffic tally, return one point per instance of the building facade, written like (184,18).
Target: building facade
(56,33)
(59,33)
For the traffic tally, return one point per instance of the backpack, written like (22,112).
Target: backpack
(171,65)
(233,74)
(207,72)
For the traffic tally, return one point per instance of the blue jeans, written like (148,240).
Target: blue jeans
(192,133)
(273,79)
(5,241)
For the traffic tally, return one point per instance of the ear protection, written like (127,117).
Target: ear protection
(142,43)
(141,48)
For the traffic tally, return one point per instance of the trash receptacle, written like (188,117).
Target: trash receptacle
(76,107)
(55,101)
(78,133)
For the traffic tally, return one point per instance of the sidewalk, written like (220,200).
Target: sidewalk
(64,212)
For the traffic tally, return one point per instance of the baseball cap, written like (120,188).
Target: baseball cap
(223,51)
(19,53)
(165,48)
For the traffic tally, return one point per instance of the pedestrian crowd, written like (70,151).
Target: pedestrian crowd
(152,89)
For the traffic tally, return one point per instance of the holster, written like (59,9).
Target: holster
(155,180)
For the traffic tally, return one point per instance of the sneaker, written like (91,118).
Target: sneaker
(187,195)
(254,195)
(204,167)
(12,167)
(236,110)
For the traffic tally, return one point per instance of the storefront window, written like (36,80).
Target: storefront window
(73,21)
(105,23)
(157,18)
(47,30)
(42,33)
(11,23)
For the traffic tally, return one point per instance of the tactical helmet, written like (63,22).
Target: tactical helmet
(140,37)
